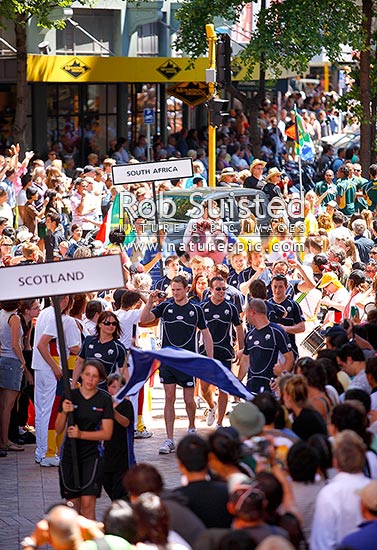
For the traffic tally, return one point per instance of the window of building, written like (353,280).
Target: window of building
(82,119)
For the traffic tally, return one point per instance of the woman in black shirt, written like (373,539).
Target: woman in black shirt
(93,423)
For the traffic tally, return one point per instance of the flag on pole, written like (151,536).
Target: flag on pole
(304,143)
(112,221)
(145,363)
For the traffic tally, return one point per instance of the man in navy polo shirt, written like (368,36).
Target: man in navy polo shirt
(181,319)
(267,352)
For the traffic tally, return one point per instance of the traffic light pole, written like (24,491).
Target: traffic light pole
(211,81)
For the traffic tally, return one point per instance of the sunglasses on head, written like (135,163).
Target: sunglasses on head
(110,323)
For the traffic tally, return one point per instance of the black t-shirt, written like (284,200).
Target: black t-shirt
(263,347)
(112,354)
(307,423)
(220,320)
(117,449)
(208,500)
(180,324)
(88,415)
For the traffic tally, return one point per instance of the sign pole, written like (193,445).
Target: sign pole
(158,232)
(67,387)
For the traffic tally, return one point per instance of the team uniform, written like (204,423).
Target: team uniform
(346,191)
(263,348)
(245,275)
(162,284)
(232,279)
(112,354)
(88,415)
(370,190)
(220,321)
(179,328)
(293,317)
(322,187)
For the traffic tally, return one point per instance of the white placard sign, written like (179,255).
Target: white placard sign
(152,171)
(60,278)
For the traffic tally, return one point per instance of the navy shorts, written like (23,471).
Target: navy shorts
(168,375)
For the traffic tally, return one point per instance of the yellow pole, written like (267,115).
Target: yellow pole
(211,39)
(326,77)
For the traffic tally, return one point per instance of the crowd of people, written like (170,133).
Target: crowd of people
(292,313)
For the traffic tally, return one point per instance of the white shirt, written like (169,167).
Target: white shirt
(337,511)
(127,319)
(46,324)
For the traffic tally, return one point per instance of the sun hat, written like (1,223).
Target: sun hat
(273,172)
(256,162)
(247,419)
(328,278)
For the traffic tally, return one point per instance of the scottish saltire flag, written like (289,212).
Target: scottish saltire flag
(304,145)
(145,363)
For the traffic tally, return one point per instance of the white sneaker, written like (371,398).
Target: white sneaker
(142,434)
(211,415)
(49,461)
(191,431)
(167,447)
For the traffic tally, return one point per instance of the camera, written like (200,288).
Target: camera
(260,446)
(161,295)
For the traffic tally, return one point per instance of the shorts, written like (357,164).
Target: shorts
(10,373)
(90,473)
(168,375)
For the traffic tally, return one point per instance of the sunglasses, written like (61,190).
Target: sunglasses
(220,288)
(110,323)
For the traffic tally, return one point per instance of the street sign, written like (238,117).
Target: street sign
(191,93)
(148,116)
(60,278)
(152,171)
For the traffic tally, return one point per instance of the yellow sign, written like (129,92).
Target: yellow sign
(65,68)
(75,68)
(169,69)
(191,93)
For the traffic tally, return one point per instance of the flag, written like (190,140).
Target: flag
(304,144)
(112,221)
(145,363)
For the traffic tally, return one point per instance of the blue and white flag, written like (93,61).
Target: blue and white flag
(145,363)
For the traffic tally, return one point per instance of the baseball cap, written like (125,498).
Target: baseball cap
(88,168)
(247,419)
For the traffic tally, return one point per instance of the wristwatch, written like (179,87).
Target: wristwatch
(28,543)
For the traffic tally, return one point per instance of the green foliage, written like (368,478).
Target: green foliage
(21,11)
(288,34)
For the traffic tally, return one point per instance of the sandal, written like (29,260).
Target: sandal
(13,447)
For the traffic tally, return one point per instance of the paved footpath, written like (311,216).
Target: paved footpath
(27,490)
